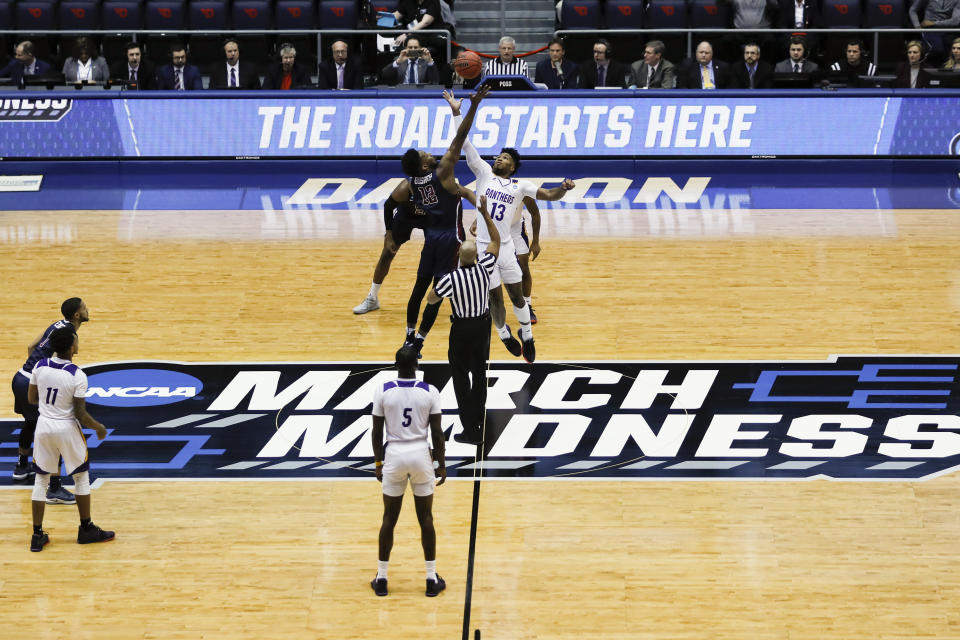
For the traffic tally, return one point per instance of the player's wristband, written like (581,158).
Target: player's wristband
(379,463)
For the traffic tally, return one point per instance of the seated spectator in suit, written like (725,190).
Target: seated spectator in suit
(704,72)
(339,71)
(507,63)
(414,15)
(557,72)
(953,62)
(653,72)
(937,14)
(797,62)
(753,73)
(24,65)
(910,74)
(604,71)
(179,76)
(287,74)
(854,65)
(231,74)
(81,68)
(135,72)
(413,66)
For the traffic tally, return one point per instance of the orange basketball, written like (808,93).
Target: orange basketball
(468,65)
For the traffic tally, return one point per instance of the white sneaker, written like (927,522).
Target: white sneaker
(369,303)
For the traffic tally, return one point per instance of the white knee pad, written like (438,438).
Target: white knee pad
(82,481)
(40,485)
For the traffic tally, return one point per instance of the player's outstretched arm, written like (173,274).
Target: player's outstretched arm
(474,161)
(449,160)
(557,192)
(494,246)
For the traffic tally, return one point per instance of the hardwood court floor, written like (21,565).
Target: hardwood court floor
(570,559)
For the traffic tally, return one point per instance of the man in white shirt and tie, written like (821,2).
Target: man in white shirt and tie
(135,72)
(338,71)
(413,66)
(797,62)
(653,72)
(179,76)
(232,74)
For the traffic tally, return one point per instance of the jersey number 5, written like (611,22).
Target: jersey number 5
(428,195)
(407,418)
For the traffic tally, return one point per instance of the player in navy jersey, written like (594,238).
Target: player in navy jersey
(75,313)
(435,191)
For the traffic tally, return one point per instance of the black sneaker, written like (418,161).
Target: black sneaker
(529,351)
(512,344)
(92,534)
(379,586)
(39,541)
(469,436)
(434,587)
(533,316)
(21,471)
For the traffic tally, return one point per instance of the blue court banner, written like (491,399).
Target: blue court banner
(844,418)
(375,124)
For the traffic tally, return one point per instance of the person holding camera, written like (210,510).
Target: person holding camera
(413,66)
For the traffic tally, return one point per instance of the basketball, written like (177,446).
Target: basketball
(468,65)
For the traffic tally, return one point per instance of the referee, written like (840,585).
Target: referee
(468,288)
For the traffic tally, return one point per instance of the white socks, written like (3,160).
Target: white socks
(504,332)
(431,569)
(382,569)
(523,316)
(374,290)
(527,300)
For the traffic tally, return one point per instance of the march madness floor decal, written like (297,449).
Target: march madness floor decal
(871,417)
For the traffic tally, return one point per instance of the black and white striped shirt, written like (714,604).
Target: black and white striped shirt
(495,67)
(469,287)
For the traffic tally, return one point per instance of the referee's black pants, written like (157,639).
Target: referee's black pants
(468,353)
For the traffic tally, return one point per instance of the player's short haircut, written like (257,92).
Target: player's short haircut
(62,339)
(70,306)
(407,357)
(513,153)
(411,163)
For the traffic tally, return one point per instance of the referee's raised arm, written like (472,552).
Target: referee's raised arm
(494,246)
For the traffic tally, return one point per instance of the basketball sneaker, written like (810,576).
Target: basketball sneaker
(434,587)
(529,351)
(379,586)
(39,541)
(21,471)
(93,533)
(370,303)
(60,496)
(533,316)
(512,344)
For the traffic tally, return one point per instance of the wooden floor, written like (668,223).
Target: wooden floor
(555,559)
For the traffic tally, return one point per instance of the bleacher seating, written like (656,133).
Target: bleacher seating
(667,14)
(295,14)
(580,14)
(77,15)
(208,14)
(122,15)
(252,14)
(625,14)
(885,14)
(842,14)
(708,14)
(36,14)
(338,14)
(6,14)
(165,15)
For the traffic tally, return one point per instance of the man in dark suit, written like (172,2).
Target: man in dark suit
(339,71)
(604,71)
(797,62)
(287,74)
(231,74)
(753,73)
(653,72)
(801,15)
(704,72)
(557,72)
(413,66)
(24,65)
(179,76)
(135,72)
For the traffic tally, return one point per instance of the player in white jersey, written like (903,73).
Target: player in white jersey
(59,387)
(409,411)
(505,196)
(528,248)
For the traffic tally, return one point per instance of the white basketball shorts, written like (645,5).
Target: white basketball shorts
(408,460)
(55,438)
(507,268)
